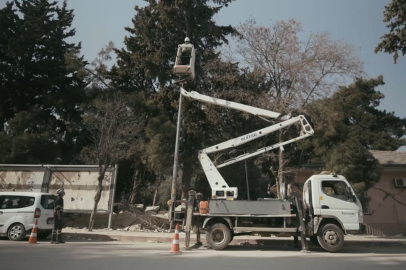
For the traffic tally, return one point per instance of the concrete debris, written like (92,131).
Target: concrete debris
(139,206)
(162,216)
(135,227)
(152,209)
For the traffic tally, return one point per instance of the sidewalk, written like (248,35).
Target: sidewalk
(162,237)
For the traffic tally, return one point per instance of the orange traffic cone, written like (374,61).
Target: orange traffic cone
(33,236)
(175,243)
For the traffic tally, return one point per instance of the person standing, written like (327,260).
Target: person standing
(58,211)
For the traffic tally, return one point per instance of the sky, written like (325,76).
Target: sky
(356,22)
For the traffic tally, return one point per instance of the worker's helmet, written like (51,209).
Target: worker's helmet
(60,191)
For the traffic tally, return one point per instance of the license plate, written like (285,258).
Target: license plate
(50,221)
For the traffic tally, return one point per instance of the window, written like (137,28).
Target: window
(336,189)
(9,202)
(27,201)
(48,201)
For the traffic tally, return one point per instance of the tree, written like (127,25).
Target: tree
(146,62)
(297,72)
(114,127)
(349,124)
(40,98)
(144,66)
(394,41)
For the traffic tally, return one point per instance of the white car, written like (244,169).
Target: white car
(19,210)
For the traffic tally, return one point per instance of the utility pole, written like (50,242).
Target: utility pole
(185,69)
(176,160)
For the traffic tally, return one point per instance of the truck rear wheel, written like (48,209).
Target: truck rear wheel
(330,237)
(218,236)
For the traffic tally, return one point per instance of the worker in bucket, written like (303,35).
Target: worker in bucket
(58,211)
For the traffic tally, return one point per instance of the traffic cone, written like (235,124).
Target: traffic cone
(33,236)
(175,243)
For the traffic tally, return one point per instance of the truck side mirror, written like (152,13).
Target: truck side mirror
(351,195)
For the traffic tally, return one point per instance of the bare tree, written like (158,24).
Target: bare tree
(114,127)
(95,75)
(297,71)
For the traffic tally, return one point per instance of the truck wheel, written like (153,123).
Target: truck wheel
(330,237)
(218,236)
(314,241)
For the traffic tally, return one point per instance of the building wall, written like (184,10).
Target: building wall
(387,205)
(79,182)
(386,213)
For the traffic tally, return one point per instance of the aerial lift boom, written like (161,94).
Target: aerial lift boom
(220,188)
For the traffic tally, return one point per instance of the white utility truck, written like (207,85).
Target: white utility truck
(328,210)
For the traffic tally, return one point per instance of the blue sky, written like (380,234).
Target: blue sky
(357,22)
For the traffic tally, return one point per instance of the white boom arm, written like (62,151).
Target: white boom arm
(234,105)
(220,188)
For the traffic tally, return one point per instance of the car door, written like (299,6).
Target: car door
(337,201)
(26,211)
(9,205)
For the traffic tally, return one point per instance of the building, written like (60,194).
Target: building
(385,213)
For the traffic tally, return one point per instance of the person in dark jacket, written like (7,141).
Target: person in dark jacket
(58,211)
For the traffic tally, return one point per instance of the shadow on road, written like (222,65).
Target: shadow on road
(48,240)
(393,249)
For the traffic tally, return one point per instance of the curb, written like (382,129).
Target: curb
(242,241)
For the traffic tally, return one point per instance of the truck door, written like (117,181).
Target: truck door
(336,201)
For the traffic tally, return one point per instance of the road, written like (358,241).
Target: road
(89,255)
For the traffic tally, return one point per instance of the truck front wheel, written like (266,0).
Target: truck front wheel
(330,237)
(218,236)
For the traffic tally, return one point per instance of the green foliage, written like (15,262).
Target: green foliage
(39,96)
(157,29)
(348,125)
(145,66)
(394,41)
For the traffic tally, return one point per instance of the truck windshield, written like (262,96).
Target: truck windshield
(336,189)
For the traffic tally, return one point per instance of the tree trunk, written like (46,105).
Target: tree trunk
(134,190)
(186,176)
(156,190)
(96,201)
(155,196)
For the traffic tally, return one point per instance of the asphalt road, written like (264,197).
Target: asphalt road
(89,255)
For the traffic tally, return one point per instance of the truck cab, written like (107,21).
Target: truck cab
(331,210)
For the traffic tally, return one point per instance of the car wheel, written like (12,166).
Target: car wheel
(16,232)
(330,237)
(218,236)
